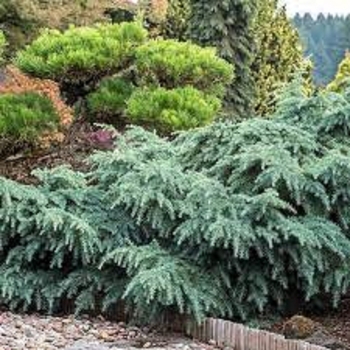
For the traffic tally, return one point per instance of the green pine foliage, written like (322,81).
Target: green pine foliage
(171,64)
(170,86)
(228,26)
(172,110)
(110,99)
(112,71)
(24,118)
(81,54)
(228,220)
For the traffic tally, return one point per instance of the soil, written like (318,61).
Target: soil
(78,144)
(335,323)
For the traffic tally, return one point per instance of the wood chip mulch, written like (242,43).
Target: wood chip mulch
(77,146)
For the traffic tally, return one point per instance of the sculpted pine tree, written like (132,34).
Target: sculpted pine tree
(228,26)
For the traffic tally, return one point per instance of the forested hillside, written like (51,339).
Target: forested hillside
(325,39)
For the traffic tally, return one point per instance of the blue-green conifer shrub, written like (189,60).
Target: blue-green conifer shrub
(228,220)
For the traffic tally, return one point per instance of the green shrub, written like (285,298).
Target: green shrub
(80,57)
(172,64)
(111,98)
(25,117)
(228,220)
(82,53)
(3,44)
(171,110)
(177,86)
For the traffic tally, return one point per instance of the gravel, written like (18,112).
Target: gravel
(25,332)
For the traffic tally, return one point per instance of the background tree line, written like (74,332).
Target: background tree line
(326,40)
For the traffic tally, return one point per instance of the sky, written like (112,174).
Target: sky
(316,6)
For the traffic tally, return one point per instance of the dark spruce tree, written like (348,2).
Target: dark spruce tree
(228,25)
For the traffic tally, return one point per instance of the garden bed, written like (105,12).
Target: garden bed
(78,144)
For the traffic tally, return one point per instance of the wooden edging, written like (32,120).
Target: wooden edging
(239,337)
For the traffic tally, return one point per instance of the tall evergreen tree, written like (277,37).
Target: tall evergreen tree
(279,52)
(342,79)
(176,24)
(228,25)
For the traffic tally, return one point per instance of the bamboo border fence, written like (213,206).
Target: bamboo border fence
(225,333)
(239,337)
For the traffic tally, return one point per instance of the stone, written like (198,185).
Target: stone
(299,327)
(28,332)
(228,348)
(54,333)
(85,328)
(132,334)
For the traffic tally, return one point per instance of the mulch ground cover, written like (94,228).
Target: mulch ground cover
(80,142)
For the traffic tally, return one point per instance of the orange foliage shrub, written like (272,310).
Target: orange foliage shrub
(17,82)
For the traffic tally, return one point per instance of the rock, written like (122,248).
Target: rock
(23,332)
(145,330)
(228,348)
(299,327)
(134,329)
(104,335)
(85,328)
(212,342)
(87,346)
(28,332)
(132,334)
